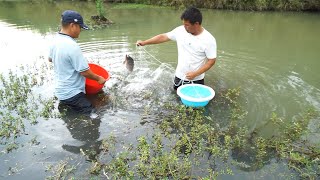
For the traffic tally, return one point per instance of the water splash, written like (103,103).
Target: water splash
(148,85)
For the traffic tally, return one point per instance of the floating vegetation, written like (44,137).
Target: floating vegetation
(62,170)
(188,144)
(19,104)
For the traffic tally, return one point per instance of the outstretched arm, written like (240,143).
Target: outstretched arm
(154,40)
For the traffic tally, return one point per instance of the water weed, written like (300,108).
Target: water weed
(62,170)
(19,104)
(186,143)
(189,144)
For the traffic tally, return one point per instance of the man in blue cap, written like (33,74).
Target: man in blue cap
(70,66)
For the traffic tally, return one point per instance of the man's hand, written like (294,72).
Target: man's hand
(140,43)
(89,74)
(101,80)
(191,75)
(160,38)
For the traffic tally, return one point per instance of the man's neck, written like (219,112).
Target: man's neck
(65,32)
(198,31)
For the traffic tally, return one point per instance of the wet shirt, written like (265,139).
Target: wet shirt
(68,62)
(193,51)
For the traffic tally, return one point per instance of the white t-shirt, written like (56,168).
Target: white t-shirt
(193,51)
(68,62)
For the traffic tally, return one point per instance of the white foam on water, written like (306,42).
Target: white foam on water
(94,115)
(304,90)
(146,84)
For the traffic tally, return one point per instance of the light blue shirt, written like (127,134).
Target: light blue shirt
(68,62)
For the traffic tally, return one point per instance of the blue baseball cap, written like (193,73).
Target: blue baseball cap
(70,16)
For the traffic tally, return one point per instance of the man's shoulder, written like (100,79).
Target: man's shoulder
(208,37)
(207,33)
(66,42)
(65,38)
(178,29)
(181,28)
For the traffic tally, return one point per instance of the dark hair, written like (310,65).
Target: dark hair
(65,24)
(192,15)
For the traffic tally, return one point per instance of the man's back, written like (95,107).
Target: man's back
(68,62)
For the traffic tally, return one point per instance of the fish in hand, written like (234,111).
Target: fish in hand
(129,62)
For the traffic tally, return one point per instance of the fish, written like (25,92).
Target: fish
(129,62)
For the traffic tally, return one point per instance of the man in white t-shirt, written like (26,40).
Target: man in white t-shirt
(197,48)
(70,66)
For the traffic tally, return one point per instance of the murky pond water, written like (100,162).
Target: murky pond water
(272,56)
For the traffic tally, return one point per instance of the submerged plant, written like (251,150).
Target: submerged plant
(19,103)
(186,144)
(62,170)
(189,144)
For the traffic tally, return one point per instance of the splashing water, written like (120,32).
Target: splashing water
(146,86)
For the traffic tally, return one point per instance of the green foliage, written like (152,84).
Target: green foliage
(100,8)
(19,104)
(189,143)
(186,142)
(62,170)
(287,5)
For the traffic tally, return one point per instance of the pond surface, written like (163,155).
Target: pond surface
(272,56)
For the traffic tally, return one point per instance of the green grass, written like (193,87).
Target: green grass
(134,6)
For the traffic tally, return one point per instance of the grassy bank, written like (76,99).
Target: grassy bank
(247,5)
(251,5)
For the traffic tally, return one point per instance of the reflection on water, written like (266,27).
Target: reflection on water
(15,46)
(84,130)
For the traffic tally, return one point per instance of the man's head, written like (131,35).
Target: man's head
(72,21)
(193,15)
(70,16)
(192,19)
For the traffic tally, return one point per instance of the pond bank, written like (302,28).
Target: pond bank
(253,5)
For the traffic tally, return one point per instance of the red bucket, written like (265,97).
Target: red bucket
(92,86)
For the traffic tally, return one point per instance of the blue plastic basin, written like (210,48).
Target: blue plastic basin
(195,95)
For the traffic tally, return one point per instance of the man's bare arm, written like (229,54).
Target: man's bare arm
(89,74)
(154,40)
(204,68)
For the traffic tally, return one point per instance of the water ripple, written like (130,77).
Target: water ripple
(265,88)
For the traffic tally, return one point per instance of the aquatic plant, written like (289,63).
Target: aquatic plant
(61,170)
(99,21)
(19,104)
(188,144)
(100,9)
